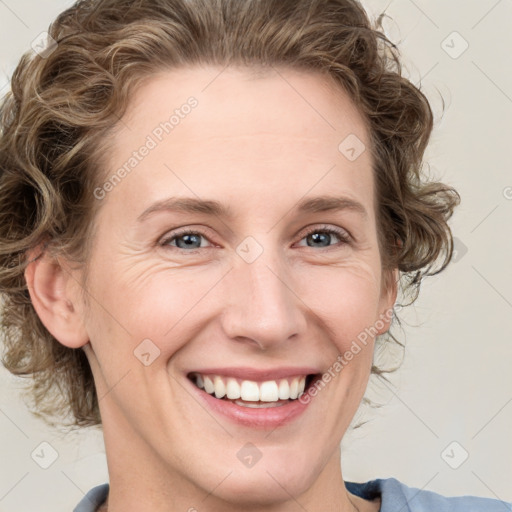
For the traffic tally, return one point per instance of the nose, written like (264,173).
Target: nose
(263,307)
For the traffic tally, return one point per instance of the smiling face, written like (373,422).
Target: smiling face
(242,244)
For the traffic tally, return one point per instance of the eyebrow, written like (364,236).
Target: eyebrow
(217,209)
(187,205)
(331,203)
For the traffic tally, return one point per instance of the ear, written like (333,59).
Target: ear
(55,295)
(389,291)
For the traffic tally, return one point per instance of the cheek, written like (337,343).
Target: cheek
(345,297)
(140,303)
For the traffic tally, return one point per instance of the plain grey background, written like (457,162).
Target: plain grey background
(448,415)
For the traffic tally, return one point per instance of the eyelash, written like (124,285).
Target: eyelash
(344,237)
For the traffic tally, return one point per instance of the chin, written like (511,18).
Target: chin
(265,484)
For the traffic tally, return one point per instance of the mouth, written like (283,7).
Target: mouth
(255,394)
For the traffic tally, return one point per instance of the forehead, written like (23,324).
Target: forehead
(288,99)
(277,130)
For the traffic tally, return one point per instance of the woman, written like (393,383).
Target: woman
(208,207)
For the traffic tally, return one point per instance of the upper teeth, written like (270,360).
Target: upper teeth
(268,391)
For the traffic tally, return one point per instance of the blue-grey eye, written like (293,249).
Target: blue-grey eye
(320,239)
(188,240)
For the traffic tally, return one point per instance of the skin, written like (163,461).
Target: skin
(259,146)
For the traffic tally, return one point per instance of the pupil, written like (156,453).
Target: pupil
(189,240)
(316,237)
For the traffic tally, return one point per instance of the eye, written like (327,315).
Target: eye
(187,240)
(190,241)
(322,236)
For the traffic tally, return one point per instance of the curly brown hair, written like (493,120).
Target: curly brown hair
(56,123)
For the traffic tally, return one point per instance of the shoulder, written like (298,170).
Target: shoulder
(394,493)
(93,499)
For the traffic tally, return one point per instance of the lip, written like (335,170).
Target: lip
(257,375)
(264,419)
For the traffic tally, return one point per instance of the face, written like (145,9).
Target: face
(267,269)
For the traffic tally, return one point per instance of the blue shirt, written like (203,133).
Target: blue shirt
(395,496)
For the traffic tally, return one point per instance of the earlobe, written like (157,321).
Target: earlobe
(53,294)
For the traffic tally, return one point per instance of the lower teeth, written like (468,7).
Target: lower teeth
(255,405)
(260,405)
